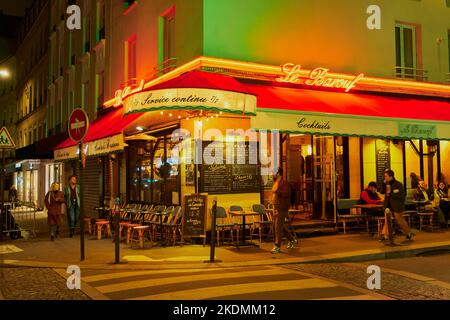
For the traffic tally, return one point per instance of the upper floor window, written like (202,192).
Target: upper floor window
(87,34)
(100,20)
(130,58)
(407,52)
(167,40)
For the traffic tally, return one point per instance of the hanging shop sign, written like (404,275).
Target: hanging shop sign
(93,148)
(187,98)
(318,77)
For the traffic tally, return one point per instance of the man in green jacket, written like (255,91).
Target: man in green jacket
(72,196)
(395,202)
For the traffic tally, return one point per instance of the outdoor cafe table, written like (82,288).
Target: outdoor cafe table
(368,206)
(420,204)
(244,214)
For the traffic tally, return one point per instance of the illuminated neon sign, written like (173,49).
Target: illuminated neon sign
(125,92)
(318,77)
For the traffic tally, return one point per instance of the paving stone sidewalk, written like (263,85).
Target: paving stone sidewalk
(392,285)
(17,283)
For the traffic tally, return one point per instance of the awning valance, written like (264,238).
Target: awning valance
(105,135)
(194,90)
(334,113)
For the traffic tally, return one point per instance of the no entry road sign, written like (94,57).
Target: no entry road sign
(78,125)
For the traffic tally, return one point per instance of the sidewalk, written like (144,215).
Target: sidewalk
(100,253)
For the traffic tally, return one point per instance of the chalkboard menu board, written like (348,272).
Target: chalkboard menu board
(195,206)
(240,177)
(382,158)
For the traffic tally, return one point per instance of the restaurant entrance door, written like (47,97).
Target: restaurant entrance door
(324,178)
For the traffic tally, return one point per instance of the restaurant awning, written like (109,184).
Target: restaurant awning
(42,149)
(105,135)
(194,90)
(298,110)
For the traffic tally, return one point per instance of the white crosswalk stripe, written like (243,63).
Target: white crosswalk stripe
(218,283)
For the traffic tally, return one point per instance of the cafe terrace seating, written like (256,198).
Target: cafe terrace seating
(344,206)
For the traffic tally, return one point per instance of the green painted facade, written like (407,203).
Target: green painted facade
(326,33)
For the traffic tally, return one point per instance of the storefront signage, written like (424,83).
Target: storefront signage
(318,77)
(382,159)
(195,215)
(239,177)
(106,145)
(417,130)
(190,98)
(93,148)
(305,123)
(125,92)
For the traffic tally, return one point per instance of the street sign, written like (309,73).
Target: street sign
(78,125)
(5,139)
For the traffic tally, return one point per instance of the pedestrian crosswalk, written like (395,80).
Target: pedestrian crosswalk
(244,283)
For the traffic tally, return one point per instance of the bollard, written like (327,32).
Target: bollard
(390,226)
(116,213)
(213,232)
(1,222)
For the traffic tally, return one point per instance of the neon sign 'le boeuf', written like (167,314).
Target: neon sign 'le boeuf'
(317,77)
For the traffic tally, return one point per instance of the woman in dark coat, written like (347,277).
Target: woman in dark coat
(53,202)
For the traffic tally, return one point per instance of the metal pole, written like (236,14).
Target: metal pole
(213,231)
(116,213)
(1,194)
(80,166)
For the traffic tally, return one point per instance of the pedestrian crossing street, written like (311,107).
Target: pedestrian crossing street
(260,283)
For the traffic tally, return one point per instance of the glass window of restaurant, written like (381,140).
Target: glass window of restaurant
(153,175)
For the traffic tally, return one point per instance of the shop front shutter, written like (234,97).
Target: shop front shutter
(91,186)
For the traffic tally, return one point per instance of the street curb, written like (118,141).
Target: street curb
(88,290)
(352,256)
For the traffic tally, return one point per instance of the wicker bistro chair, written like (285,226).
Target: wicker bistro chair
(174,225)
(223,224)
(137,232)
(262,222)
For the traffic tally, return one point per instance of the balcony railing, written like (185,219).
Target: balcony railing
(411,73)
(165,66)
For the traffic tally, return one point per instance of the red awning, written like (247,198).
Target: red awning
(107,125)
(203,80)
(367,105)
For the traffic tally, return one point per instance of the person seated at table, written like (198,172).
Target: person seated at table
(441,201)
(370,196)
(423,195)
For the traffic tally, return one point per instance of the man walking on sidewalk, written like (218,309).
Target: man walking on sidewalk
(394,201)
(281,202)
(72,195)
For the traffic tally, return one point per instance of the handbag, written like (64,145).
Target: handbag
(63,209)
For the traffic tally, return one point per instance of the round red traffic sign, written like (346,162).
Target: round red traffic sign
(78,125)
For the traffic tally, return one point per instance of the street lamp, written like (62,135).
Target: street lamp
(4,73)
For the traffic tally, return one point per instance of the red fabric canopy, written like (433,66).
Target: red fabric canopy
(371,105)
(203,80)
(106,125)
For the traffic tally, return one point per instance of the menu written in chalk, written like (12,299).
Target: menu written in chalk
(382,158)
(195,215)
(240,177)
